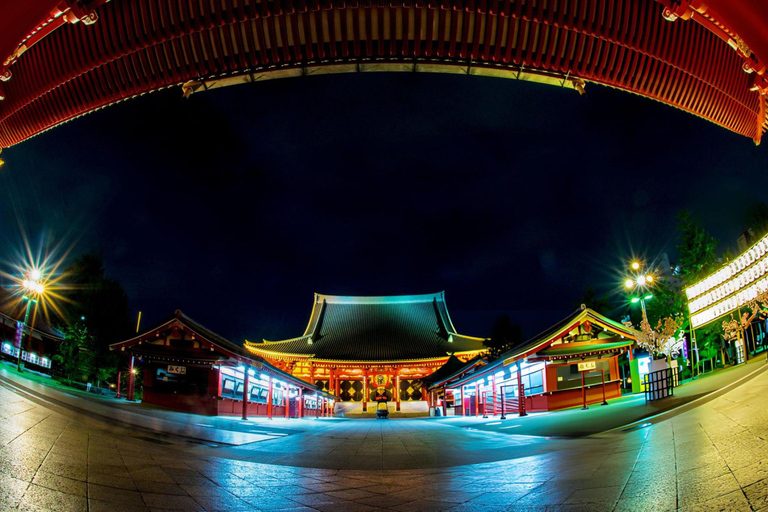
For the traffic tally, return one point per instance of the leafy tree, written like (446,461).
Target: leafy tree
(590,299)
(97,300)
(74,355)
(504,335)
(697,249)
(757,219)
(667,302)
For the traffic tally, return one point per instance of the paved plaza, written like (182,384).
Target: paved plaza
(711,457)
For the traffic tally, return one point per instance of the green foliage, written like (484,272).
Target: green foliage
(504,336)
(697,249)
(75,355)
(757,219)
(667,302)
(601,303)
(99,299)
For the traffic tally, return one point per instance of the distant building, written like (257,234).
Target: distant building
(39,343)
(669,273)
(353,346)
(746,239)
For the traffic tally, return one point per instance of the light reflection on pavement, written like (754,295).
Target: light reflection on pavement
(713,457)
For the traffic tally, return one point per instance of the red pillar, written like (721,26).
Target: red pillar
(246,385)
(583,392)
(463,403)
(117,395)
(131,380)
(602,375)
(477,398)
(521,392)
(287,402)
(494,394)
(336,384)
(445,401)
(397,390)
(269,400)
(300,405)
(365,391)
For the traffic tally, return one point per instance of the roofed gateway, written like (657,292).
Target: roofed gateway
(354,344)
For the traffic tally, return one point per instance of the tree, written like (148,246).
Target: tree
(504,335)
(697,249)
(757,220)
(593,301)
(75,354)
(97,300)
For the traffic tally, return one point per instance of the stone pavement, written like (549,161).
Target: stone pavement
(712,457)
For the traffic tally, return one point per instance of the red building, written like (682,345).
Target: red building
(187,367)
(60,59)
(355,345)
(574,362)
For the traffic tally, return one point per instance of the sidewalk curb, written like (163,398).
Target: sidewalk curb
(687,406)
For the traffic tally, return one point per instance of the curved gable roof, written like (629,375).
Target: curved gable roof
(393,328)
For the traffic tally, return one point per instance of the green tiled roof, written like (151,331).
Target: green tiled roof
(567,349)
(393,328)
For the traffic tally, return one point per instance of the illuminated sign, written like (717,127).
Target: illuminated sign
(178,370)
(589,365)
(730,287)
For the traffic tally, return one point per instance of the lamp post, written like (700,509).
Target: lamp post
(638,283)
(34,289)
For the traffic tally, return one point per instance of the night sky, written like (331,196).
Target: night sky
(237,204)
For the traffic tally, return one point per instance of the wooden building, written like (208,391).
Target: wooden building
(187,367)
(574,362)
(353,346)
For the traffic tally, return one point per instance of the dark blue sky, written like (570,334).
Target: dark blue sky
(237,204)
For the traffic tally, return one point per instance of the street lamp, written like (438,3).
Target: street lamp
(34,289)
(638,284)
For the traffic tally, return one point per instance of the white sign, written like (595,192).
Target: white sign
(589,365)
(178,370)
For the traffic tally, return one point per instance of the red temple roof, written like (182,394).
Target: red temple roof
(711,62)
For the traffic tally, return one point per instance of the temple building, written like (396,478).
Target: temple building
(353,347)
(573,363)
(187,367)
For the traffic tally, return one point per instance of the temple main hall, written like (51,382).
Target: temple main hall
(358,347)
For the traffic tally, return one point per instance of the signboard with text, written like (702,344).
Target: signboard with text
(589,365)
(178,370)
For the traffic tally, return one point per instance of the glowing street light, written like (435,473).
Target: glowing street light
(34,290)
(639,282)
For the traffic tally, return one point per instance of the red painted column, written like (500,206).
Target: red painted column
(463,403)
(300,405)
(602,375)
(131,380)
(246,385)
(445,402)
(269,400)
(287,402)
(336,384)
(521,392)
(397,390)
(494,394)
(117,395)
(365,391)
(477,399)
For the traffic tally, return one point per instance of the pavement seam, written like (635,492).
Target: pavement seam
(728,466)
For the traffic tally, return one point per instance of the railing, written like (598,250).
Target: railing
(660,384)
